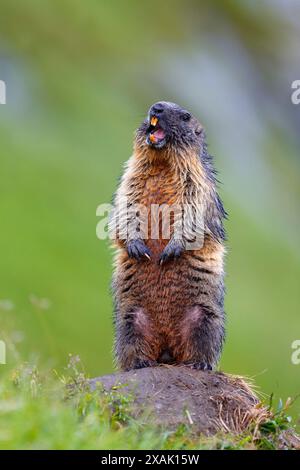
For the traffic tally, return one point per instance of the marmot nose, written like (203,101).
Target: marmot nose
(157,108)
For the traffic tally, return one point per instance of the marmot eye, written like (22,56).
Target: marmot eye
(185,117)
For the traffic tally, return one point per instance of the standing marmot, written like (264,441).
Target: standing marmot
(169,293)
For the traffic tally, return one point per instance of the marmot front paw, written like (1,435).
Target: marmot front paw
(137,249)
(172,251)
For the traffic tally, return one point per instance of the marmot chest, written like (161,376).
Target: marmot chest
(158,196)
(159,188)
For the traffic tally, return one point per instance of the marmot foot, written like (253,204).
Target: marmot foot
(200,365)
(141,363)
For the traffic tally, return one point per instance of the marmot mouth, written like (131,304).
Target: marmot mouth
(156,136)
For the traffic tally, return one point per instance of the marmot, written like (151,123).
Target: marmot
(169,298)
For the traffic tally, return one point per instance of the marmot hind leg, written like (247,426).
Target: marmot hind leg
(202,337)
(136,346)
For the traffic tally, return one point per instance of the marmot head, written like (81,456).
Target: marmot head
(169,126)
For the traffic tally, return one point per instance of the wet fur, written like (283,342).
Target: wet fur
(171,312)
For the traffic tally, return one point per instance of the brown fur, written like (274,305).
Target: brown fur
(177,307)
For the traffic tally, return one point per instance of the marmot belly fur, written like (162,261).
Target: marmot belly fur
(168,293)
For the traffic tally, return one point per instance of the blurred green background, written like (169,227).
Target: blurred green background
(80,77)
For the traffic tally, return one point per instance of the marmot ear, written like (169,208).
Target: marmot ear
(199,130)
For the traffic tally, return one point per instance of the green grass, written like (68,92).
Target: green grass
(57,410)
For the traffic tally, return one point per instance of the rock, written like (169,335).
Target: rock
(206,401)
